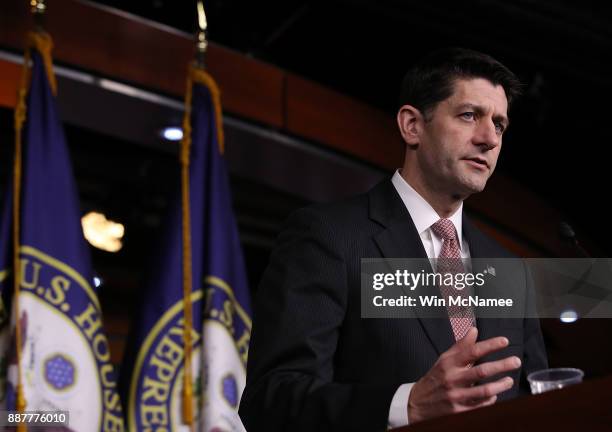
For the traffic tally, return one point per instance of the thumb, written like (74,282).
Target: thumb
(463,344)
(469,338)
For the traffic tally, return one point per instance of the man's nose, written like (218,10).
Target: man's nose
(486,135)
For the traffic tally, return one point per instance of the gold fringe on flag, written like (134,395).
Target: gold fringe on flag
(194,75)
(43,44)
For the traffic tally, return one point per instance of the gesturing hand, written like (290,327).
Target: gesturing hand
(449,387)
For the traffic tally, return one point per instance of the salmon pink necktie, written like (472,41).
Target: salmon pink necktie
(449,261)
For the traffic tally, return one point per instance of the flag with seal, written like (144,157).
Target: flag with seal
(59,357)
(187,368)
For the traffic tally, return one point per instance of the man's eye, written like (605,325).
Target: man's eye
(500,127)
(468,115)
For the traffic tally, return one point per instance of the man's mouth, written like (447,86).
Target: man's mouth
(478,162)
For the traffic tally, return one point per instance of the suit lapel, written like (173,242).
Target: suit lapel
(400,239)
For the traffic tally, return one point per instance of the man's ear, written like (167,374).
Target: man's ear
(409,121)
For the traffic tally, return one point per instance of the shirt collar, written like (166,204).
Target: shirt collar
(422,213)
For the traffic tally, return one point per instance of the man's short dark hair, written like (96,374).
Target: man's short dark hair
(431,80)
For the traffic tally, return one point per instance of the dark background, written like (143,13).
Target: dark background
(558,144)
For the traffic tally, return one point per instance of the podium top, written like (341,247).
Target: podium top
(586,406)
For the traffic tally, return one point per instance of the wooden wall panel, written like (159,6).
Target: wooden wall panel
(10,75)
(249,88)
(133,50)
(318,113)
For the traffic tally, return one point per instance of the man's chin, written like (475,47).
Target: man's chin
(465,184)
(471,187)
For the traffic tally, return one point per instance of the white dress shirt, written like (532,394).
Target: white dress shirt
(424,216)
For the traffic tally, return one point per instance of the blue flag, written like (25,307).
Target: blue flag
(65,359)
(153,373)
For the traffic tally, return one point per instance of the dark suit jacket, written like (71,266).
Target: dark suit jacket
(314,363)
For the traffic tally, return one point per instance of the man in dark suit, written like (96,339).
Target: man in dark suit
(314,363)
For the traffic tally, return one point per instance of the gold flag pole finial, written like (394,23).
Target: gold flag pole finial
(196,73)
(201,40)
(38,9)
(41,41)
(38,6)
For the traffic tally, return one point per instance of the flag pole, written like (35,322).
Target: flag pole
(201,45)
(37,8)
(196,73)
(20,115)
(187,282)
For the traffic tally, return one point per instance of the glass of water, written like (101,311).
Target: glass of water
(551,379)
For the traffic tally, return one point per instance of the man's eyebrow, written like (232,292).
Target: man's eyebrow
(480,110)
(502,119)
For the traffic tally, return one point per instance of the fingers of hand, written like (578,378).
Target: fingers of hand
(489,369)
(480,392)
(467,340)
(477,403)
(464,343)
(468,354)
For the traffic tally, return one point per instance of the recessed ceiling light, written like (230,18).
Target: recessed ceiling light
(568,316)
(172,133)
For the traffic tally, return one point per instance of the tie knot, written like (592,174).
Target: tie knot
(445,229)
